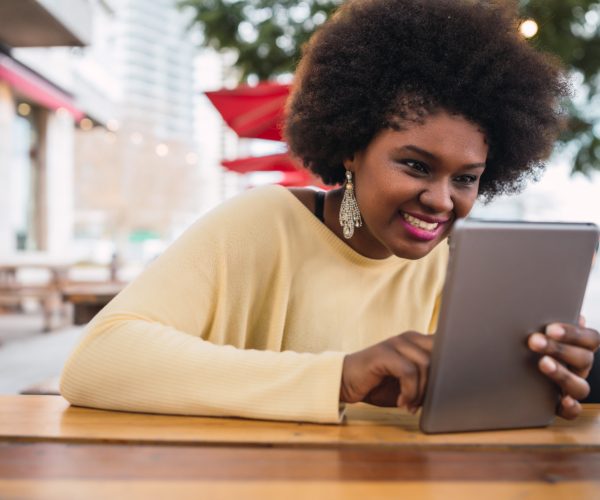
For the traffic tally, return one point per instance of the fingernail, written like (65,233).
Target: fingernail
(548,364)
(568,401)
(555,331)
(538,341)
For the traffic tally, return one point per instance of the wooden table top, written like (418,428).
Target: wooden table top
(85,291)
(51,450)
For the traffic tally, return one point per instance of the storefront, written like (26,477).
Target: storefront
(37,125)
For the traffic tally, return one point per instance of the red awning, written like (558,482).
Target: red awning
(292,173)
(253,112)
(278,162)
(297,178)
(258,113)
(34,87)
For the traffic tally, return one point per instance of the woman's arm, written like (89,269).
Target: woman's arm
(198,331)
(144,366)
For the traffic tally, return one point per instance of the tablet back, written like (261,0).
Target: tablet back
(505,281)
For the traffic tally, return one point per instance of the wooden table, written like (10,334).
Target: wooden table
(12,291)
(51,450)
(89,298)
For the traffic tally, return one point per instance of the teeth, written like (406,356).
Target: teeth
(421,224)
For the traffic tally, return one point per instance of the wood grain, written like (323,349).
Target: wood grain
(148,462)
(291,490)
(227,463)
(51,418)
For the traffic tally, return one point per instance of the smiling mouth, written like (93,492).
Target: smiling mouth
(420,224)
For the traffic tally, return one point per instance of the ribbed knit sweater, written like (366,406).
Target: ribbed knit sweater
(249,313)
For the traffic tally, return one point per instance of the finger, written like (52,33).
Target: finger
(408,377)
(569,408)
(578,358)
(581,321)
(385,394)
(574,335)
(570,384)
(425,342)
(420,357)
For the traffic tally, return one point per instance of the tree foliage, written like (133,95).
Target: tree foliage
(571,30)
(268,35)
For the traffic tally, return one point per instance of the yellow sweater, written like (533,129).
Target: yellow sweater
(249,314)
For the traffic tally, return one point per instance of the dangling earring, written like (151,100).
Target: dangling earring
(349,212)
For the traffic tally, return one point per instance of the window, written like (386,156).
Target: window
(28,179)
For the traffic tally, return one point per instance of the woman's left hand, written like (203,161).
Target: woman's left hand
(567,356)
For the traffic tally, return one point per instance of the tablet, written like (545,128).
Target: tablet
(505,281)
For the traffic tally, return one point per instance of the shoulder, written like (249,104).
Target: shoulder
(264,213)
(255,202)
(266,205)
(306,196)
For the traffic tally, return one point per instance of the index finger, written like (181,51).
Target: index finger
(574,335)
(425,342)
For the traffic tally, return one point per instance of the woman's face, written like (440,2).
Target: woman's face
(412,185)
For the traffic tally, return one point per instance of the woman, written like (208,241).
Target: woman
(417,107)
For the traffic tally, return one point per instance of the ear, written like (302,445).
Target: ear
(350,163)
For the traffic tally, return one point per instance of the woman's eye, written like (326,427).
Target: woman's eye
(416,165)
(466,179)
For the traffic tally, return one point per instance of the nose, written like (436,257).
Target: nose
(437,198)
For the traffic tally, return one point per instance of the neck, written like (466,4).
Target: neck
(362,241)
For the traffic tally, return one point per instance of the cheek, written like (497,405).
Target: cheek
(464,203)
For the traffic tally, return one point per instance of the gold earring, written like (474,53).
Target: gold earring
(349,212)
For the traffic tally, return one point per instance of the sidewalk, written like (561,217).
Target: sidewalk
(29,357)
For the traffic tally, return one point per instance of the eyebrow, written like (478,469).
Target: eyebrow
(431,156)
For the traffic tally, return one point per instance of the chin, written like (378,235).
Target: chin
(415,250)
(413,253)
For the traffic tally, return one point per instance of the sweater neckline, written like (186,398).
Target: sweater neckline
(333,240)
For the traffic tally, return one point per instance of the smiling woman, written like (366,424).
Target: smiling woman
(283,304)
(412,184)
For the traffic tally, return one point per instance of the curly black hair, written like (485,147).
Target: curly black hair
(379,64)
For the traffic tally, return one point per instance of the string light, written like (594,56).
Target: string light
(24,109)
(86,124)
(112,125)
(162,150)
(528,28)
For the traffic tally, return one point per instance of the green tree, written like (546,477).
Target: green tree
(268,35)
(571,30)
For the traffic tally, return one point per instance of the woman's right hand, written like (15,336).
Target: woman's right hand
(391,373)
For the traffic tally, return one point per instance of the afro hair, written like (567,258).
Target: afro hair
(380,64)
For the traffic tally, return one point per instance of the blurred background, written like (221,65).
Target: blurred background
(123,121)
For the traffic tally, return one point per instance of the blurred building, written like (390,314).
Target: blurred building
(138,179)
(154,61)
(38,113)
(99,131)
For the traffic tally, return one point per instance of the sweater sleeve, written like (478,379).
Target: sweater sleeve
(180,338)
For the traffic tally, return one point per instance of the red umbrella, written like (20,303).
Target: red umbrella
(278,162)
(297,178)
(258,113)
(253,112)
